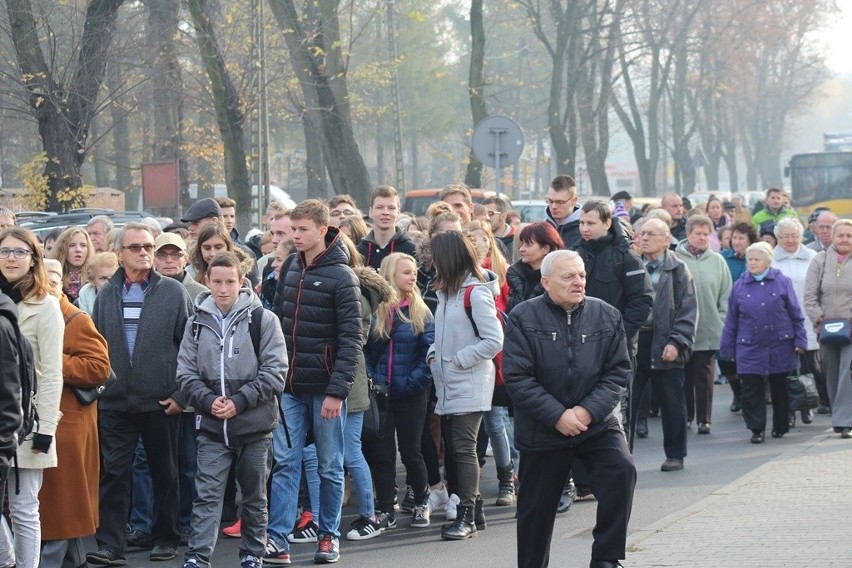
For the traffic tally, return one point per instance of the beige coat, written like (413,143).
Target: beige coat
(41,323)
(828,287)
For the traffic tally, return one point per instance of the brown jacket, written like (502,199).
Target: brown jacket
(68,501)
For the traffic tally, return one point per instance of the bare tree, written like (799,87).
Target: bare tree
(476,86)
(63,109)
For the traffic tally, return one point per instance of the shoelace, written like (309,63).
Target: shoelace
(326,544)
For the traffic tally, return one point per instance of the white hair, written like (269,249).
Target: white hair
(763,248)
(788,223)
(552,257)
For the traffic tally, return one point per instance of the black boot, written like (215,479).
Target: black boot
(479,514)
(462,527)
(506,487)
(737,389)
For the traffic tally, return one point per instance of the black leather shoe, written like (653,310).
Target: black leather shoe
(163,552)
(139,539)
(605,564)
(758,437)
(104,557)
(846,433)
(777,434)
(642,428)
(807,416)
(479,514)
(463,527)
(672,464)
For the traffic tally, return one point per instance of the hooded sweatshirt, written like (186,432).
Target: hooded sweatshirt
(217,358)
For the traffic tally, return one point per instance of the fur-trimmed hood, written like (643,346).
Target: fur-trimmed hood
(373,286)
(424,252)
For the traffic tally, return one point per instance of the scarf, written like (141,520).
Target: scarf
(10,290)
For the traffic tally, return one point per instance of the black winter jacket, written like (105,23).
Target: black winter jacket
(554,360)
(570,231)
(617,276)
(10,384)
(373,254)
(524,284)
(320,310)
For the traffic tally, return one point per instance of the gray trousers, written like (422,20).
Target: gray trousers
(252,464)
(836,361)
(69,553)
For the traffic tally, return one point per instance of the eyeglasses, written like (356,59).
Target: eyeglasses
(163,255)
(19,254)
(343,213)
(790,236)
(650,234)
(136,248)
(559,202)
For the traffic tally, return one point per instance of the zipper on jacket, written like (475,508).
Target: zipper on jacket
(295,326)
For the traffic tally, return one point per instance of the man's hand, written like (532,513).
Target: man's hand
(669,353)
(171,406)
(331,406)
(574,421)
(223,408)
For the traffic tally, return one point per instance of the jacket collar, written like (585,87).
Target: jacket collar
(749,277)
(800,254)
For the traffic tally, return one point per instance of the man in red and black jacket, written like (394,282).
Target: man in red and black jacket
(384,238)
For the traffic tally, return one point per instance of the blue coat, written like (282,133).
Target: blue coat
(401,362)
(764,325)
(737,265)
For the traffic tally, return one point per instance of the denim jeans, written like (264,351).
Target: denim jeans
(187,467)
(301,412)
(26,523)
(142,498)
(509,424)
(309,461)
(496,430)
(353,459)
(251,464)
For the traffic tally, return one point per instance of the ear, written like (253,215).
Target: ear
(545,282)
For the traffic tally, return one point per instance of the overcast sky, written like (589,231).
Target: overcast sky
(839,40)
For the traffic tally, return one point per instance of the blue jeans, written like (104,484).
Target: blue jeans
(302,411)
(496,430)
(353,459)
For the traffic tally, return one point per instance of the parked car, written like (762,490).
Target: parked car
(417,201)
(531,210)
(43,225)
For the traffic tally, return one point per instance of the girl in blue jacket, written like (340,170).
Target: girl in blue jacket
(403,330)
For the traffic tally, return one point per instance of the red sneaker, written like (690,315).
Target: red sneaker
(235,530)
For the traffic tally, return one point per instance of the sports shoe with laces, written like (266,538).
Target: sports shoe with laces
(364,529)
(250,561)
(438,499)
(235,530)
(386,521)
(420,517)
(306,529)
(450,511)
(328,550)
(275,554)
(408,502)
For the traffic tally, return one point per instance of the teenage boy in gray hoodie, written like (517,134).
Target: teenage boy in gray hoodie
(233,381)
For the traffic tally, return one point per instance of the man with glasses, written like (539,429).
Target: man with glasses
(497,210)
(824,222)
(142,316)
(563,209)
(665,339)
(340,207)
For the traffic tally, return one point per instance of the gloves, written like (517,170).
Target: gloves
(42,442)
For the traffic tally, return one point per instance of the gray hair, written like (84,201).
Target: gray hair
(788,223)
(103,220)
(661,214)
(552,257)
(119,238)
(763,248)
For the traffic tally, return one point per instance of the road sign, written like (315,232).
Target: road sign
(498,142)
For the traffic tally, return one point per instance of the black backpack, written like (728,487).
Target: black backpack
(29,385)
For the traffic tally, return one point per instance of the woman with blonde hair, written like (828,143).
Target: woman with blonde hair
(402,332)
(74,249)
(101,269)
(490,257)
(24,279)
(354,227)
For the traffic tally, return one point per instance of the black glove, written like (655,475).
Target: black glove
(42,442)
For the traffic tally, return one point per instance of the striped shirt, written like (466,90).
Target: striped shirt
(131,300)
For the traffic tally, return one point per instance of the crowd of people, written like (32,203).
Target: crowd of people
(193,384)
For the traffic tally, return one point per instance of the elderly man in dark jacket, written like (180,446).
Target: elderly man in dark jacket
(565,409)
(142,316)
(665,340)
(320,309)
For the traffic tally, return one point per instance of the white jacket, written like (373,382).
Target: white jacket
(41,322)
(795,267)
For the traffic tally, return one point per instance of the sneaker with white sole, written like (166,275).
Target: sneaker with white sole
(364,529)
(451,510)
(438,498)
(386,521)
(275,554)
(328,550)
(304,532)
(250,561)
(408,503)
(420,517)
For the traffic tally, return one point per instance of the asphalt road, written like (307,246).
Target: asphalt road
(714,460)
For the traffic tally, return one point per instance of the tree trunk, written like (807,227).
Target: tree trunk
(63,112)
(229,115)
(315,57)
(476,87)
(120,140)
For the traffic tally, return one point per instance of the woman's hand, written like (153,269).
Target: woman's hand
(799,350)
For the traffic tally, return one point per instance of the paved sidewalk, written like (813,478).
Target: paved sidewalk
(793,511)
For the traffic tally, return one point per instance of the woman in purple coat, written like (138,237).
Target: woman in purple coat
(764,330)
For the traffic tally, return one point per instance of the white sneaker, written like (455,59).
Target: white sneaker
(451,510)
(438,498)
